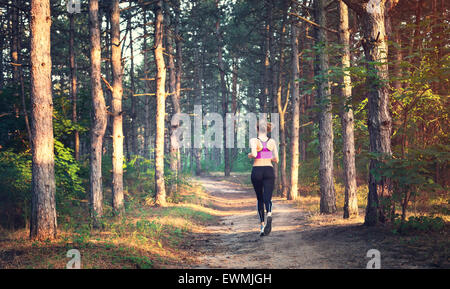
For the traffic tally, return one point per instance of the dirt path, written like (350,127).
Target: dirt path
(294,242)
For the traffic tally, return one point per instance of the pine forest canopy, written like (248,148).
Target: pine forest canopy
(357,92)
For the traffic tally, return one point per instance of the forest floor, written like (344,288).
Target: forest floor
(300,237)
(214,224)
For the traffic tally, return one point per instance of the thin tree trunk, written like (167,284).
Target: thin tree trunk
(281,109)
(117,93)
(73,85)
(99,117)
(267,55)
(178,68)
(160,106)
(327,193)
(174,145)
(133,127)
(293,192)
(17,65)
(198,101)
(15,39)
(282,112)
(2,43)
(147,97)
(348,148)
(224,94)
(43,208)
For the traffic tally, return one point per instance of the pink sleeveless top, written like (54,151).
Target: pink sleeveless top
(265,153)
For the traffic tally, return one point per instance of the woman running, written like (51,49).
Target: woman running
(264,152)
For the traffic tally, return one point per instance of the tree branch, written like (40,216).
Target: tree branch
(313,23)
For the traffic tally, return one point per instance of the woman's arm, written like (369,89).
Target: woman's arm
(253,147)
(275,152)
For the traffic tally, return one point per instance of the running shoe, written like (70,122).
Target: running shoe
(268,226)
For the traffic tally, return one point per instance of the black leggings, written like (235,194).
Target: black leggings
(263,180)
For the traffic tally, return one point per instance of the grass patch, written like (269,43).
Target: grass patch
(145,237)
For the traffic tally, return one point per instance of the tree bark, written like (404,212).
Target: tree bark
(174,145)
(117,93)
(282,113)
(99,117)
(146,149)
(281,109)
(73,85)
(179,71)
(133,126)
(223,87)
(293,192)
(160,106)
(327,193)
(198,101)
(347,121)
(43,208)
(379,119)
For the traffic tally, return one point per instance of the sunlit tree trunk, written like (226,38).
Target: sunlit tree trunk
(160,106)
(282,112)
(327,192)
(43,208)
(280,107)
(379,119)
(293,191)
(347,119)
(99,117)
(117,93)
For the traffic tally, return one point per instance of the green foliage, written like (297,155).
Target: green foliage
(15,184)
(418,224)
(411,175)
(139,176)
(68,182)
(15,187)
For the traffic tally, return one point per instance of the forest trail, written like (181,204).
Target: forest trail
(296,241)
(235,241)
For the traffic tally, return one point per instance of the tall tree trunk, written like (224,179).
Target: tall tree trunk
(327,193)
(73,84)
(15,39)
(133,126)
(43,207)
(178,68)
(281,109)
(160,106)
(117,93)
(174,145)
(348,148)
(267,75)
(198,101)
(234,105)
(379,119)
(293,192)
(147,96)
(17,65)
(282,112)
(2,44)
(99,117)
(224,94)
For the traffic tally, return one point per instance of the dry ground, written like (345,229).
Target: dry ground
(299,238)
